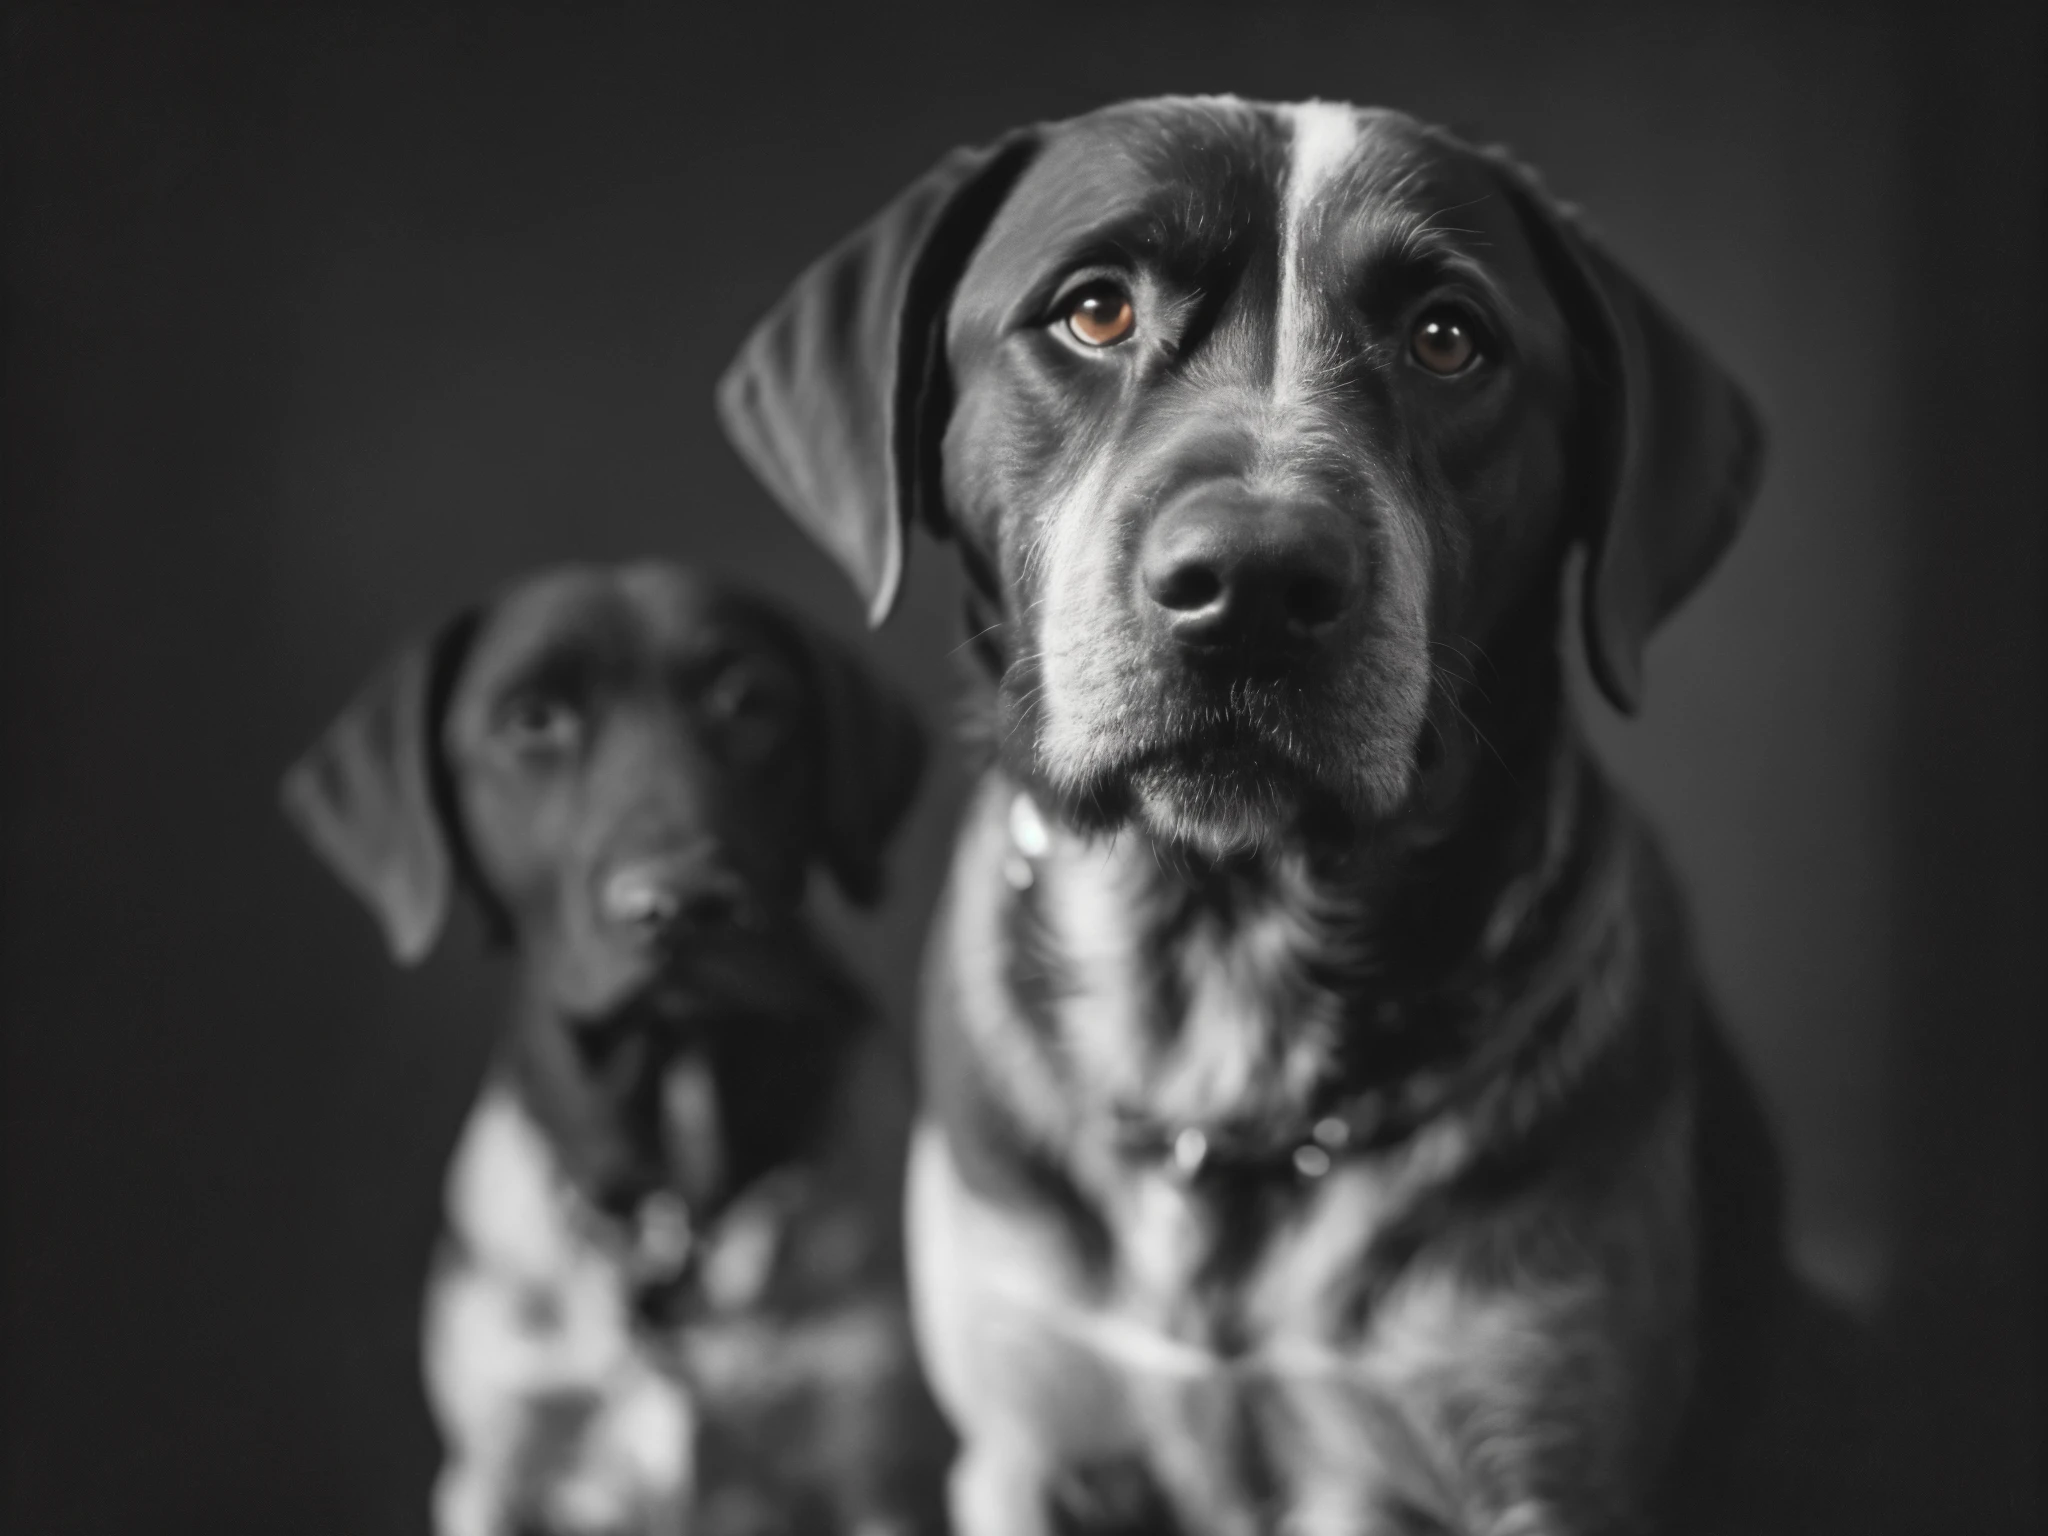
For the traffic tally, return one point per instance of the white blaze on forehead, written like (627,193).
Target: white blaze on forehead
(1324,141)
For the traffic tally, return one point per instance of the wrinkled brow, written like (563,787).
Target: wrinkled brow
(560,652)
(560,667)
(1407,245)
(1178,227)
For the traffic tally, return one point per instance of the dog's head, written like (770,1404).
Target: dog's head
(1256,425)
(631,770)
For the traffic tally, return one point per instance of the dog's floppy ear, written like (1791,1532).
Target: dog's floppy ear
(364,796)
(838,398)
(870,758)
(1676,447)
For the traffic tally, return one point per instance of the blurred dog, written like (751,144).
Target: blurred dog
(668,1299)
(1325,1126)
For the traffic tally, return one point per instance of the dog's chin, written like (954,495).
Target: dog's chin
(648,998)
(1218,778)
(675,983)
(1220,805)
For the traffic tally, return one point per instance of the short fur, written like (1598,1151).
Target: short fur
(668,1298)
(1324,1129)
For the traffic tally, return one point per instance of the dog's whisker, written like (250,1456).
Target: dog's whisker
(977,635)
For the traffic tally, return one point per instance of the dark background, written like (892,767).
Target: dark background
(318,323)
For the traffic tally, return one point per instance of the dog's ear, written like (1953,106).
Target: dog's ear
(364,796)
(838,398)
(1675,448)
(870,758)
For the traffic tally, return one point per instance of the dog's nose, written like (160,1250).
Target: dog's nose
(1228,568)
(657,895)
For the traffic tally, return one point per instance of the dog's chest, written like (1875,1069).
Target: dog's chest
(543,1391)
(549,1384)
(1273,1259)
(1176,1014)
(1271,1388)
(1198,1053)
(1371,1327)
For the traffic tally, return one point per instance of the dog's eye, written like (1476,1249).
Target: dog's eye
(736,693)
(537,723)
(1446,341)
(1100,315)
(747,702)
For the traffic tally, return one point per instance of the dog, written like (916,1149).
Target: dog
(1325,1128)
(669,1295)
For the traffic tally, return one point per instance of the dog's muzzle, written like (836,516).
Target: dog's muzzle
(656,895)
(1233,575)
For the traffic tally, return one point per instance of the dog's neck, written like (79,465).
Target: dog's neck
(768,1055)
(1254,998)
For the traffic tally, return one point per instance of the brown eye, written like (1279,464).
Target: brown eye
(1445,342)
(1101,316)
